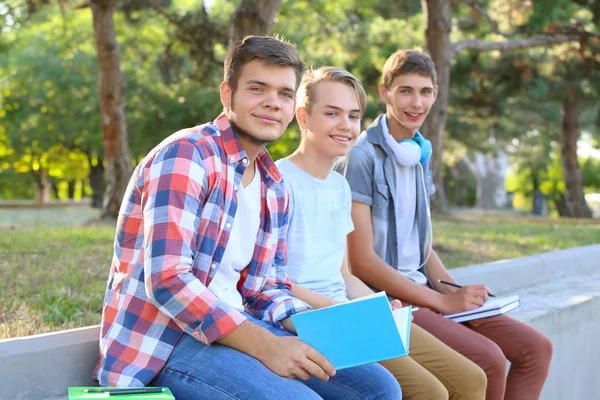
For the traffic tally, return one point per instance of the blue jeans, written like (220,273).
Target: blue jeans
(195,371)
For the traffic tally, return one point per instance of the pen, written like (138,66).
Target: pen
(118,391)
(456,286)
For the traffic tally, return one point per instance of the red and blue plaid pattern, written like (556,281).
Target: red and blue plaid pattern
(172,231)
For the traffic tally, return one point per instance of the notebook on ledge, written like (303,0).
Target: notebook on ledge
(357,332)
(494,306)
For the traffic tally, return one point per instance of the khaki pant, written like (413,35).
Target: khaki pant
(433,371)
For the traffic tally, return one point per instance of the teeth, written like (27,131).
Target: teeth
(342,138)
(413,115)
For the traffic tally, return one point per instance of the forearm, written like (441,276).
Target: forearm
(356,288)
(436,271)
(376,272)
(249,338)
(312,298)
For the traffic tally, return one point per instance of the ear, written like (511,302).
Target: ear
(226,92)
(383,93)
(301,117)
(292,117)
(435,93)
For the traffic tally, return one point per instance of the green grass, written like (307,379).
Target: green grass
(467,240)
(54,268)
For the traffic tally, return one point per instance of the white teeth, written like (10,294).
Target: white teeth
(413,115)
(342,138)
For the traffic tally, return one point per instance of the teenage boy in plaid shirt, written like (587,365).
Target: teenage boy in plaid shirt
(198,299)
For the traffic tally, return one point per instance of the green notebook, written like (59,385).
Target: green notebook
(109,393)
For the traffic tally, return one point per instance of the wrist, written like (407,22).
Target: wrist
(438,302)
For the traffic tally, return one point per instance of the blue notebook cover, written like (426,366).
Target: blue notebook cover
(356,332)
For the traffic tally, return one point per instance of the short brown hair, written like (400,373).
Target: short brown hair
(405,62)
(270,50)
(310,80)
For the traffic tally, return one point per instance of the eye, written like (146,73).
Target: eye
(356,117)
(405,91)
(256,89)
(331,113)
(287,95)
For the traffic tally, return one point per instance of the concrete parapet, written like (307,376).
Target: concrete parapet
(559,291)
(43,366)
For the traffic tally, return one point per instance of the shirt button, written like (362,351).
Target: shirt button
(213,266)
(232,158)
(236,187)
(245,160)
(228,225)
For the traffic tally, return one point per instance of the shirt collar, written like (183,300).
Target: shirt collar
(235,152)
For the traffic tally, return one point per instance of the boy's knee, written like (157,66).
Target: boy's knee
(540,352)
(473,383)
(387,387)
(437,392)
(495,362)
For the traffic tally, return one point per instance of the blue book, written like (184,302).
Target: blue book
(357,332)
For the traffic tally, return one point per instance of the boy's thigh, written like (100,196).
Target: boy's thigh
(516,339)
(198,371)
(416,381)
(467,342)
(462,377)
(365,382)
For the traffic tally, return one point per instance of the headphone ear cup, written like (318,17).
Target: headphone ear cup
(424,145)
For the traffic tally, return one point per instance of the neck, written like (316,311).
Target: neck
(311,161)
(252,149)
(398,131)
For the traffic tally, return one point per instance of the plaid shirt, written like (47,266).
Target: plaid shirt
(173,228)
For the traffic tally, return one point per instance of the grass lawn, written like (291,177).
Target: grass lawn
(54,267)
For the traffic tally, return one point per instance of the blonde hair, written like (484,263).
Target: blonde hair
(306,96)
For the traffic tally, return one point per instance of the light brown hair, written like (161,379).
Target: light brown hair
(405,62)
(270,50)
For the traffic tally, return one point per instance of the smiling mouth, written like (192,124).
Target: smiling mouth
(340,138)
(267,119)
(413,115)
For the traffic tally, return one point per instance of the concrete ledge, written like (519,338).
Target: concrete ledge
(510,275)
(43,366)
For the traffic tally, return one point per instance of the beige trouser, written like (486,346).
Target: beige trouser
(433,371)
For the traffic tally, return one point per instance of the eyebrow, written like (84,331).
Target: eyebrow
(410,87)
(261,83)
(340,109)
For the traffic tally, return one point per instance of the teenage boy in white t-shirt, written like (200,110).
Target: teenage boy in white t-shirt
(329,110)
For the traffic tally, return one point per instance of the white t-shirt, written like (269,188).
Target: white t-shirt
(240,248)
(320,220)
(407,230)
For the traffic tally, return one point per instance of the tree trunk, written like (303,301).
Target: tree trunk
(71,189)
(490,173)
(111,89)
(437,34)
(561,206)
(574,196)
(42,187)
(97,182)
(253,17)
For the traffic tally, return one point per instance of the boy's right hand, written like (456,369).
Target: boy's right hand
(466,298)
(288,357)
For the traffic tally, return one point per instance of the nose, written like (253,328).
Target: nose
(344,124)
(272,100)
(417,102)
